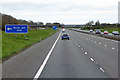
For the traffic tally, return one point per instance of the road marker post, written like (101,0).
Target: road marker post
(40,38)
(16,35)
(24,36)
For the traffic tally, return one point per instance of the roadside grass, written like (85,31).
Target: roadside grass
(110,29)
(12,44)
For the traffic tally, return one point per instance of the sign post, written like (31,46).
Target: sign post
(16,29)
(16,35)
(54,27)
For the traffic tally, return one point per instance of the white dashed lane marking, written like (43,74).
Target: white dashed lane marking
(105,45)
(113,48)
(92,59)
(99,43)
(86,53)
(117,49)
(81,48)
(102,69)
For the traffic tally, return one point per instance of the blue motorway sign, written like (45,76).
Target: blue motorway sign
(54,27)
(16,28)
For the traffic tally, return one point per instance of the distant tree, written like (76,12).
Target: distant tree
(0,21)
(48,24)
(31,22)
(118,25)
(56,24)
(90,23)
(7,19)
(97,23)
(103,24)
(40,23)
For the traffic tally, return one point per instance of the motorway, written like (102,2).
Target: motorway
(109,35)
(83,56)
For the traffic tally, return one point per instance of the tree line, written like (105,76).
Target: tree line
(8,19)
(98,25)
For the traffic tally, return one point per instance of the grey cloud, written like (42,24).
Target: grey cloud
(53,7)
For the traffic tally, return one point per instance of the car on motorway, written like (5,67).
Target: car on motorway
(65,36)
(115,32)
(91,30)
(105,32)
(63,30)
(97,31)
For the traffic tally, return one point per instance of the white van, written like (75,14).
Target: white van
(63,30)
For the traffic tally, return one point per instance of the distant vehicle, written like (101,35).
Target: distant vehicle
(105,32)
(42,28)
(97,31)
(77,29)
(63,30)
(91,30)
(65,36)
(115,32)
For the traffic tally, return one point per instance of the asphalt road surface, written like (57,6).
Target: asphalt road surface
(26,64)
(109,35)
(83,56)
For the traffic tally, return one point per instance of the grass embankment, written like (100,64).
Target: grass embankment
(11,44)
(109,29)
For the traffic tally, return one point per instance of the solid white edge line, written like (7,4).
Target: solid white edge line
(46,59)
(99,43)
(102,69)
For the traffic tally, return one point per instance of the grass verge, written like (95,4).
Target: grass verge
(12,44)
(110,29)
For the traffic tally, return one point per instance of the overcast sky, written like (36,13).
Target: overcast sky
(63,11)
